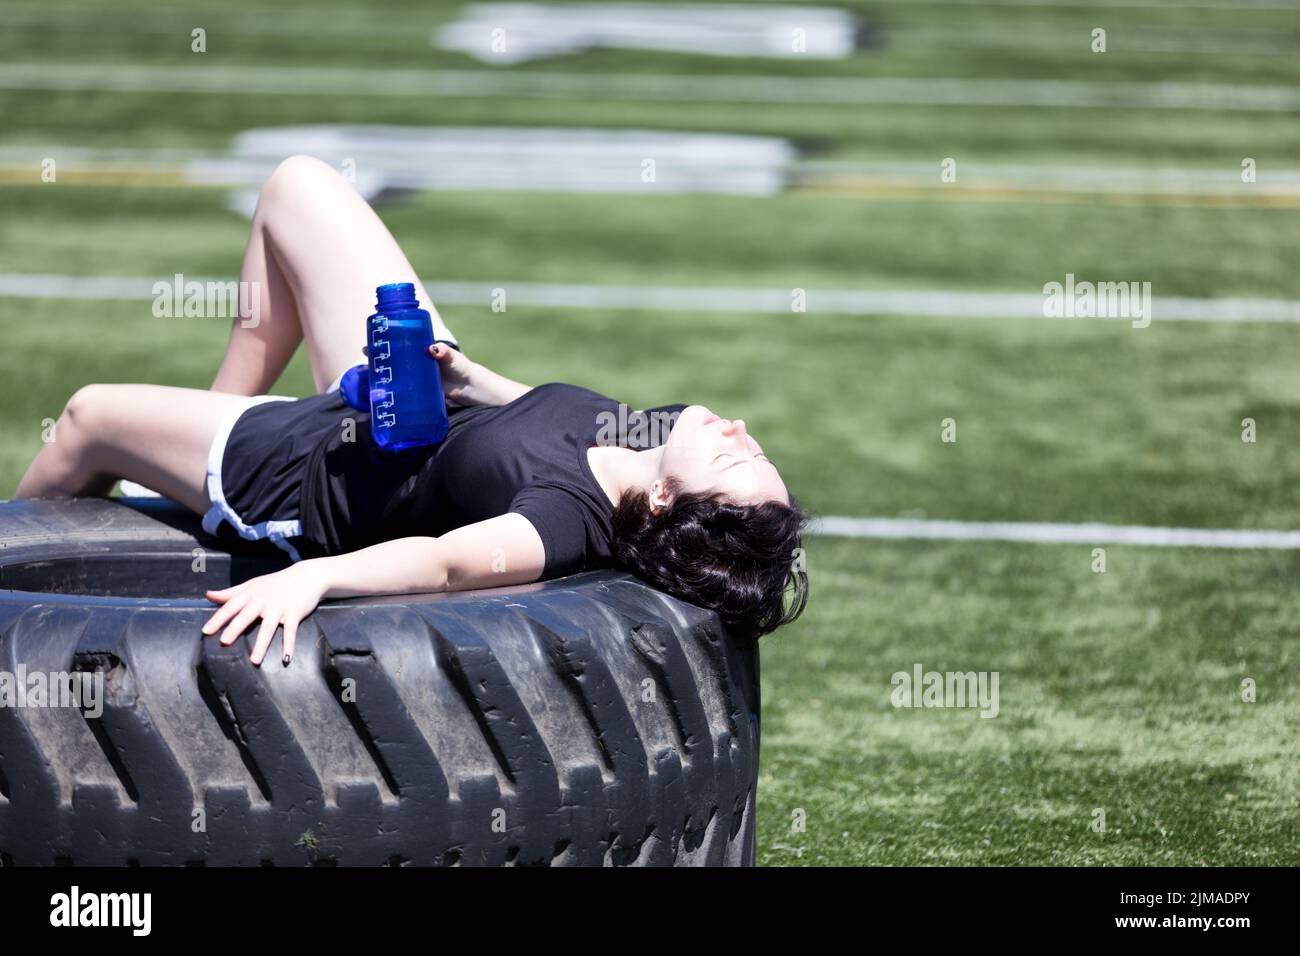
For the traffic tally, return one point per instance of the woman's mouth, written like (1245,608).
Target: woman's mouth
(710,418)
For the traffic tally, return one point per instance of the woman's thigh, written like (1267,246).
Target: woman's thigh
(334,251)
(156,435)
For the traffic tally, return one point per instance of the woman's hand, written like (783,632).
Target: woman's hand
(281,598)
(459,381)
(467,383)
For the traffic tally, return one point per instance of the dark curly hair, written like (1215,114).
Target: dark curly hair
(738,560)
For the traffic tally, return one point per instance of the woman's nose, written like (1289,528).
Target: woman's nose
(734,427)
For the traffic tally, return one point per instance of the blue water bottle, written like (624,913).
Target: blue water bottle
(406,403)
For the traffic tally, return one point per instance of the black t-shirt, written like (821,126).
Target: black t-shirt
(527,457)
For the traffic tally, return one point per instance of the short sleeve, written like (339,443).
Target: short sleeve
(566,525)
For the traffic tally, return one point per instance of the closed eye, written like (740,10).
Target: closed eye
(739,461)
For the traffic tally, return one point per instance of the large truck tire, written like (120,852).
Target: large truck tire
(586,721)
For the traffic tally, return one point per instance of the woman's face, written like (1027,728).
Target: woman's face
(711,455)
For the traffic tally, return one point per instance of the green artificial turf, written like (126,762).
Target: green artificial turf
(1119,691)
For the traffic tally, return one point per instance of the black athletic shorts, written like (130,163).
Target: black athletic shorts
(257,461)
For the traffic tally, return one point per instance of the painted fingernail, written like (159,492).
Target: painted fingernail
(285,660)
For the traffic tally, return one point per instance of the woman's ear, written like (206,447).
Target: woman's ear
(661,496)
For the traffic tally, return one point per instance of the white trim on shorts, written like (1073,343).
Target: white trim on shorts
(277,531)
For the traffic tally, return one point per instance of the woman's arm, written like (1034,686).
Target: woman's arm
(487,554)
(466,382)
(499,551)
(470,383)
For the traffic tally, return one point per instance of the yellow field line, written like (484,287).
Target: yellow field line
(175,178)
(161,177)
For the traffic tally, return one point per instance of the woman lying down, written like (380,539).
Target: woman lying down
(523,488)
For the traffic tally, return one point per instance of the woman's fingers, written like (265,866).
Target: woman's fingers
(275,599)
(247,614)
(265,634)
(290,638)
(223,595)
(241,614)
(222,614)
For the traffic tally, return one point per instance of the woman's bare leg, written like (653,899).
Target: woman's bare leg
(317,251)
(153,434)
(261,343)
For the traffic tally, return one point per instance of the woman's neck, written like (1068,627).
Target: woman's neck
(620,470)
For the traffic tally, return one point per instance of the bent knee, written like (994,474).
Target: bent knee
(84,401)
(84,412)
(296,177)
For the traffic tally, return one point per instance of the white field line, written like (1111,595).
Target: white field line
(374,23)
(1072,40)
(288,23)
(1282,5)
(1034,532)
(1017,177)
(345,81)
(685,298)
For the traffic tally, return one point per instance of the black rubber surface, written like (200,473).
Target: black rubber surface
(586,721)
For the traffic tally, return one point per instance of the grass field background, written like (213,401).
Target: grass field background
(1119,691)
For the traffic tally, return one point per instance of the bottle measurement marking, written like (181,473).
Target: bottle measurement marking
(386,418)
(381,350)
